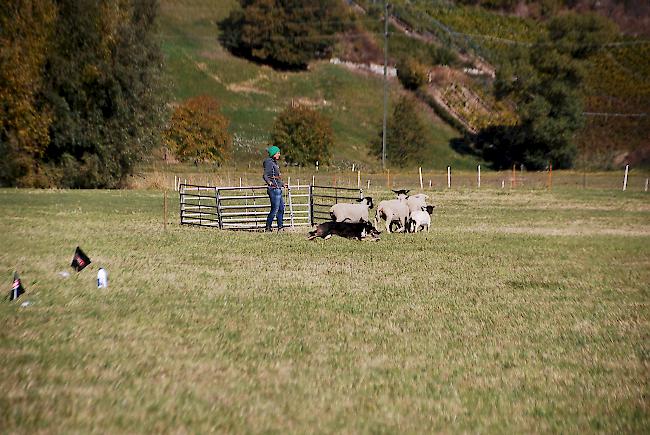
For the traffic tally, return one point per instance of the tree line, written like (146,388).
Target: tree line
(81,95)
(82,99)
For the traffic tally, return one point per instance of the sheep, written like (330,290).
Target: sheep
(421,219)
(417,202)
(353,213)
(393,210)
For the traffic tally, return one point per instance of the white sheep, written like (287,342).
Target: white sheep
(417,202)
(421,219)
(352,213)
(393,210)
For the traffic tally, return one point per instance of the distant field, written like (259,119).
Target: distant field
(521,311)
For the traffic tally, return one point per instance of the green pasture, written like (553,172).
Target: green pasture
(521,311)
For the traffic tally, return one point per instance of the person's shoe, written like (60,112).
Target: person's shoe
(281,229)
(268,230)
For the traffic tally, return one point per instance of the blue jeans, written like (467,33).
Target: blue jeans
(277,207)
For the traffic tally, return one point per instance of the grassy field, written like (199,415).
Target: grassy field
(522,311)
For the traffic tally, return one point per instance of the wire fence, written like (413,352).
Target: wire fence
(637,180)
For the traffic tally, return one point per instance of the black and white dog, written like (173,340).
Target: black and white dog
(359,231)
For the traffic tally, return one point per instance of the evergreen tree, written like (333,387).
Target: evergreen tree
(405,134)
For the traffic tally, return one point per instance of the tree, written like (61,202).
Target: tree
(545,82)
(284,33)
(103,85)
(405,134)
(304,135)
(81,98)
(198,132)
(25,28)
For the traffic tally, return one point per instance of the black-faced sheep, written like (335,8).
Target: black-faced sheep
(420,219)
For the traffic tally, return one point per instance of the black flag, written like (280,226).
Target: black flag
(80,260)
(17,288)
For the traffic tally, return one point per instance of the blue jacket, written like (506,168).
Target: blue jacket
(272,173)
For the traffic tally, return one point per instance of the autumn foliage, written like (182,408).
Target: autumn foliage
(198,132)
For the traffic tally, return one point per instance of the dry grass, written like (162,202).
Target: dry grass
(493,322)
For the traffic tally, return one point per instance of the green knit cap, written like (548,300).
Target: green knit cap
(273,150)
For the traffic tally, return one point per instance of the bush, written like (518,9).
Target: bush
(412,74)
(198,132)
(304,135)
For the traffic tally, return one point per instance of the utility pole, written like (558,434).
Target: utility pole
(383,135)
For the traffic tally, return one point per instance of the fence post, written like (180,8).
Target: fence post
(359,179)
(479,176)
(448,177)
(550,176)
(420,172)
(646,185)
(290,205)
(218,208)
(627,167)
(369,184)
(181,199)
(388,178)
(311,204)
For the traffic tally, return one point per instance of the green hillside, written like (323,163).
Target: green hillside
(251,95)
(617,78)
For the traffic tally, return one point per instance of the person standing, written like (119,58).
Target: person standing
(274,187)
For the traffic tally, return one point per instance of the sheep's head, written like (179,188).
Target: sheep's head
(367,200)
(429,208)
(402,193)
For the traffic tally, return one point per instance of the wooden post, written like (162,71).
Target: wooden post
(359,179)
(503,184)
(368,184)
(430,183)
(646,185)
(627,168)
(316,165)
(352,167)
(513,179)
(448,177)
(479,177)
(550,175)
(313,180)
(174,183)
(165,209)
(420,172)
(388,178)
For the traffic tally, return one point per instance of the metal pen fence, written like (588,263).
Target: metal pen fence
(322,198)
(240,208)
